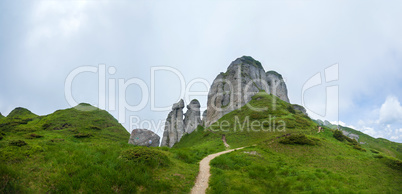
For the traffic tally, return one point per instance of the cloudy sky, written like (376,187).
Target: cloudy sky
(342,60)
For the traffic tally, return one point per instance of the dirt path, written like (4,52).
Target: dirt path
(201,184)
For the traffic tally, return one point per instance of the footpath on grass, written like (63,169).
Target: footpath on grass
(201,183)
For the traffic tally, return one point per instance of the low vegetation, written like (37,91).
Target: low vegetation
(84,149)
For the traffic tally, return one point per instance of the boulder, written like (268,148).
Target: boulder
(192,117)
(144,137)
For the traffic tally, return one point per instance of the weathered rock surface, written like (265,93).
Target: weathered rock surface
(277,85)
(144,137)
(174,126)
(233,89)
(351,135)
(204,117)
(300,108)
(192,117)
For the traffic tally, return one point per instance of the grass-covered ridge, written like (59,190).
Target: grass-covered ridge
(294,158)
(84,149)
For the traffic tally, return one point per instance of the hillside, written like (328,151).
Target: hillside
(390,148)
(82,149)
(297,159)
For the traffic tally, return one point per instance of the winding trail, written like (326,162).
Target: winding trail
(201,184)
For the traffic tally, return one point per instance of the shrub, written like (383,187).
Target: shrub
(147,156)
(374,151)
(18,143)
(393,163)
(358,147)
(56,140)
(82,135)
(300,139)
(339,135)
(291,109)
(33,136)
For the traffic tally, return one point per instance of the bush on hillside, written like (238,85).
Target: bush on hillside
(18,143)
(147,156)
(299,139)
(82,135)
(291,109)
(33,136)
(339,135)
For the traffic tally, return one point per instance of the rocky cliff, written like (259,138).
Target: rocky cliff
(233,89)
(176,126)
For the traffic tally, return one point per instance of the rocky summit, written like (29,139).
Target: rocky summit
(244,78)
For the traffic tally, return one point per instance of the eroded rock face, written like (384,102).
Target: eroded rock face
(192,117)
(233,89)
(144,137)
(300,108)
(204,117)
(277,86)
(174,126)
(351,135)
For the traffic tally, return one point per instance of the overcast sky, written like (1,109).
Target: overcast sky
(43,42)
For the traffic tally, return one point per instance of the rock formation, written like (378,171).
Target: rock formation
(176,126)
(144,137)
(351,135)
(276,85)
(192,117)
(233,89)
(300,108)
(204,117)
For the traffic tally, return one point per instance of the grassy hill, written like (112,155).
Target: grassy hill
(84,149)
(296,159)
(375,144)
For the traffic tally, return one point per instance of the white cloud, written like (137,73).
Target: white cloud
(391,111)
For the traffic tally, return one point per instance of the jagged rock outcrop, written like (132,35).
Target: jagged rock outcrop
(233,89)
(204,117)
(144,137)
(192,116)
(300,108)
(351,135)
(174,125)
(277,85)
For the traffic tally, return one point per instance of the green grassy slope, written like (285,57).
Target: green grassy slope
(292,159)
(83,151)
